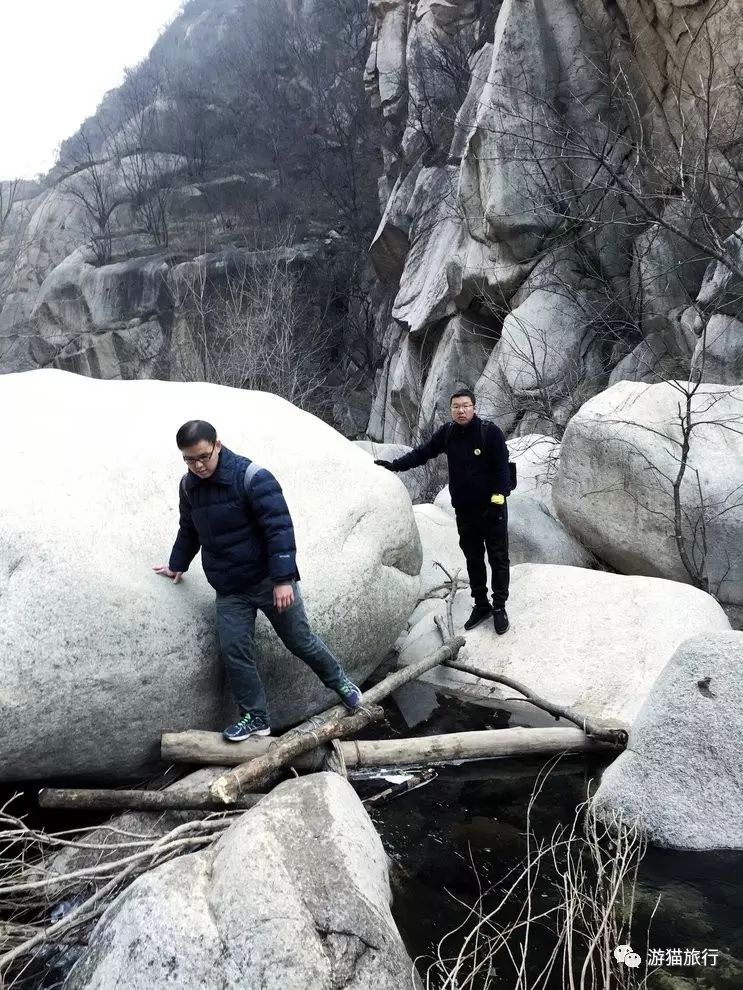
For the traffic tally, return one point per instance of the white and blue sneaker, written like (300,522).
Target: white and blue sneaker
(349,694)
(249,725)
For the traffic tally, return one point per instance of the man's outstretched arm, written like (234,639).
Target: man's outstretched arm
(186,546)
(418,455)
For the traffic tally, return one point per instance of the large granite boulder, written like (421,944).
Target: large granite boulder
(619,461)
(587,639)
(535,534)
(314,911)
(681,774)
(537,458)
(439,544)
(105,653)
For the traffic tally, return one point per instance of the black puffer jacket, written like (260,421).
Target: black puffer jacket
(242,539)
(478,461)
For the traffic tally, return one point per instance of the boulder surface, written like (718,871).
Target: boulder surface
(619,461)
(105,653)
(681,773)
(587,639)
(294,895)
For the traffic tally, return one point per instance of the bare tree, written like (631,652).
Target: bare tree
(8,192)
(146,173)
(251,327)
(91,183)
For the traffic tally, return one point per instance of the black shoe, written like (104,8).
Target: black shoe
(478,614)
(500,620)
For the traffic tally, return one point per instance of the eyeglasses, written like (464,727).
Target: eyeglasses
(200,458)
(464,405)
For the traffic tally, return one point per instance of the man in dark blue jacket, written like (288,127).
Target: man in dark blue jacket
(479,481)
(235,512)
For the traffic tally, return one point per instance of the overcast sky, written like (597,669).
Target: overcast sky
(57,59)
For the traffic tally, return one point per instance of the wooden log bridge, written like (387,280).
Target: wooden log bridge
(259,769)
(332,724)
(210,748)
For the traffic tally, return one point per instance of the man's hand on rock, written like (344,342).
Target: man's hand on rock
(283,596)
(166,572)
(385,464)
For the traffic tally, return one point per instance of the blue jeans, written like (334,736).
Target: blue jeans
(236,629)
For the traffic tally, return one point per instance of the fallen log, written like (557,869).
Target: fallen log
(256,771)
(101,799)
(228,786)
(209,747)
(479,745)
(212,749)
(615,736)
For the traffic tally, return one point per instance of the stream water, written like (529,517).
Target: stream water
(459,835)
(462,833)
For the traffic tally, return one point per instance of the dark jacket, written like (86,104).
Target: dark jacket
(242,539)
(478,461)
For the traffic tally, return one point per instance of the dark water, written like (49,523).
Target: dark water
(460,834)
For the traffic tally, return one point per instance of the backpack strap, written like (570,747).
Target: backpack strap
(250,472)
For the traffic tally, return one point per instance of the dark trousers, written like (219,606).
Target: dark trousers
(481,532)
(236,629)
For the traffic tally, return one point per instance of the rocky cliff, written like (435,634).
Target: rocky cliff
(559,191)
(235,155)
(561,203)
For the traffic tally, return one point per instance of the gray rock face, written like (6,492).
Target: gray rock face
(570,286)
(421,482)
(314,912)
(619,460)
(536,535)
(681,774)
(109,653)
(439,543)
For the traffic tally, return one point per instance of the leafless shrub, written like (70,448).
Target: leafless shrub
(593,869)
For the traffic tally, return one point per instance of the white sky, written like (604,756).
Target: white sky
(57,59)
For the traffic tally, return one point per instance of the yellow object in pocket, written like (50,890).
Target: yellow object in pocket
(498,499)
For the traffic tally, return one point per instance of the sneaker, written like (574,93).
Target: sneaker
(249,725)
(500,620)
(349,694)
(478,614)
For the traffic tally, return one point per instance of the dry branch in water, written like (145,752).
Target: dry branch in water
(617,737)
(592,869)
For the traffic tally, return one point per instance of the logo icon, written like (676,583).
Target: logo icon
(627,955)
(477,450)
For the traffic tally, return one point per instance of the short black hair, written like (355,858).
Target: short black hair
(193,432)
(463,393)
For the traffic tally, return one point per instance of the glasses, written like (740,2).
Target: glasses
(200,458)
(464,405)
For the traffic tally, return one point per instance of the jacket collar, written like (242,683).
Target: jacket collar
(224,475)
(473,423)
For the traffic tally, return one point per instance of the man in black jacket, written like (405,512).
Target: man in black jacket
(235,512)
(479,481)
